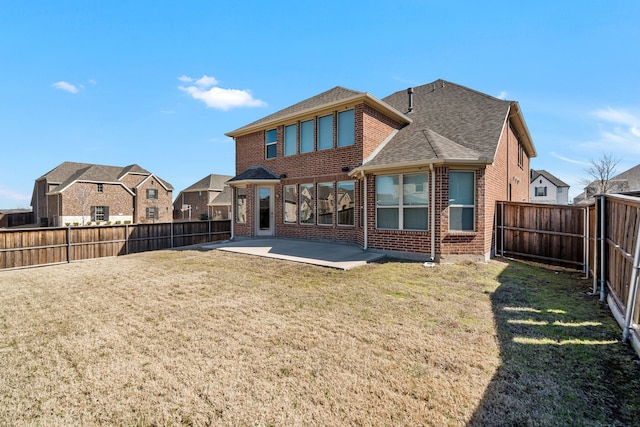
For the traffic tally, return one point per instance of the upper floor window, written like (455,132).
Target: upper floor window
(152,193)
(520,155)
(462,201)
(270,141)
(290,140)
(345,128)
(100,188)
(307,136)
(325,132)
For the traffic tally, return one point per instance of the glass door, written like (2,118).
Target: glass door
(264,214)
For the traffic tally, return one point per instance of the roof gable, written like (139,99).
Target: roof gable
(535,173)
(211,182)
(255,173)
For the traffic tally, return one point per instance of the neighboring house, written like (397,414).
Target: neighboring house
(15,217)
(546,188)
(416,173)
(81,193)
(626,182)
(210,197)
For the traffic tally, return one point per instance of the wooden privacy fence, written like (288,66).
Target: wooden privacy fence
(552,234)
(602,239)
(43,246)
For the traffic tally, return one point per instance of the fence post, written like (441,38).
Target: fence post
(633,289)
(171,232)
(596,240)
(502,232)
(603,246)
(585,252)
(68,244)
(126,239)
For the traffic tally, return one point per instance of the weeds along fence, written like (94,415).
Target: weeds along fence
(45,246)
(602,239)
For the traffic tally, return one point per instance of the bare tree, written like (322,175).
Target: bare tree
(600,174)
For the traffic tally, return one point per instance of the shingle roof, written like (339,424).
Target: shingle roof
(211,182)
(255,173)
(535,173)
(223,198)
(632,176)
(450,122)
(69,172)
(336,94)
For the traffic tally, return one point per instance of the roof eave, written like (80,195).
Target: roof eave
(406,165)
(244,182)
(523,130)
(366,98)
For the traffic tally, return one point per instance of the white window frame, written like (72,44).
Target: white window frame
(313,136)
(237,211)
(284,204)
(338,223)
(333,189)
(464,206)
(268,143)
(401,206)
(353,126)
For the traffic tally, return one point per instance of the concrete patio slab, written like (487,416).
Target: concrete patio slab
(335,255)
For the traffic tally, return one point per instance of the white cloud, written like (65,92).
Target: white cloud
(569,160)
(7,193)
(92,81)
(503,95)
(204,89)
(619,132)
(206,81)
(68,87)
(167,111)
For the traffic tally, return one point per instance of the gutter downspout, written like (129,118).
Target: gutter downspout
(366,219)
(233,211)
(433,212)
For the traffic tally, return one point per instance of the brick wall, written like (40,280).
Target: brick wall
(198,201)
(76,201)
(162,203)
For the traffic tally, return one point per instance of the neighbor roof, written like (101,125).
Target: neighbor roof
(535,173)
(69,172)
(223,198)
(211,182)
(450,123)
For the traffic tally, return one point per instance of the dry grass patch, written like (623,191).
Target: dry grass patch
(213,338)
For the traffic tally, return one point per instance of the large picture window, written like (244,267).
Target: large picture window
(270,139)
(402,202)
(290,204)
(346,128)
(290,140)
(345,203)
(306,206)
(462,201)
(325,132)
(307,136)
(241,205)
(326,203)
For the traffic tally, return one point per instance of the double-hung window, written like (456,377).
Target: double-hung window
(325,132)
(152,213)
(462,201)
(402,202)
(541,191)
(100,188)
(290,204)
(290,140)
(152,193)
(270,139)
(346,128)
(100,213)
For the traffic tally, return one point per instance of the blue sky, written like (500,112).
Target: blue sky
(158,83)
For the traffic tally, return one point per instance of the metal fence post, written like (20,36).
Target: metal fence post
(603,246)
(69,244)
(633,289)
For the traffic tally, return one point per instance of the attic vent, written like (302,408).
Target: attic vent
(410,93)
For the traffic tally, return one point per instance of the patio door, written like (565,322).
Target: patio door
(264,214)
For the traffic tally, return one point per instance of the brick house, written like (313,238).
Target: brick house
(82,193)
(208,197)
(416,173)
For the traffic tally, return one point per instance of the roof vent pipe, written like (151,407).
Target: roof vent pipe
(410,93)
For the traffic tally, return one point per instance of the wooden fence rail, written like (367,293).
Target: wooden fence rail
(45,246)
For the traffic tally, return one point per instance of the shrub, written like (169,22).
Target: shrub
(203,217)
(118,223)
(68,224)
(75,224)
(127,222)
